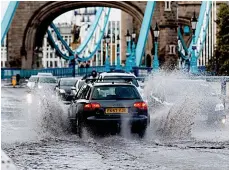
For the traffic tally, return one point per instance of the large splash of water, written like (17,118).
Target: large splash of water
(179,107)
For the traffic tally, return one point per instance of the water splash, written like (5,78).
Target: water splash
(176,103)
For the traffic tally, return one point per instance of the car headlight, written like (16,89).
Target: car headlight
(219,107)
(62,91)
(223,120)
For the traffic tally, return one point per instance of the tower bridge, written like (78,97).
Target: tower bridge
(32,19)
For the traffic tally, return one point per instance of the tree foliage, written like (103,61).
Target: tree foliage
(220,61)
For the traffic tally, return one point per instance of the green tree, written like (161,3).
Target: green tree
(220,61)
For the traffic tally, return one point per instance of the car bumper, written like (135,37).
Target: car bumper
(142,119)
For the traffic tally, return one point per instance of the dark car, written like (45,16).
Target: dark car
(64,86)
(98,104)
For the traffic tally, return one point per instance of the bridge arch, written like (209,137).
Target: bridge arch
(43,16)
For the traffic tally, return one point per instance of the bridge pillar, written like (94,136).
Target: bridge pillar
(167,19)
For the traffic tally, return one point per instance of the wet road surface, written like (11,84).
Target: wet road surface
(36,136)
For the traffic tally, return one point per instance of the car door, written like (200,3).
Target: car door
(73,105)
(83,98)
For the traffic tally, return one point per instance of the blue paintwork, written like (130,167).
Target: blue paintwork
(87,39)
(128,57)
(72,54)
(133,55)
(155,63)
(57,48)
(204,35)
(61,39)
(183,43)
(100,39)
(7,19)
(90,32)
(143,36)
(194,54)
(186,29)
(200,22)
(193,62)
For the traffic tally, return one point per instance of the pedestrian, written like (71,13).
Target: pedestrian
(18,77)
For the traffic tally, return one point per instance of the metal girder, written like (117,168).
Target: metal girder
(8,17)
(143,36)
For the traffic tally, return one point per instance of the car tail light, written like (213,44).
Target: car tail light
(141,105)
(91,106)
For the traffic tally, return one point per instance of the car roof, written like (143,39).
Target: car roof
(118,74)
(108,84)
(69,78)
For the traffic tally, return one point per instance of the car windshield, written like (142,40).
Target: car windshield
(33,79)
(115,92)
(122,79)
(67,82)
(47,80)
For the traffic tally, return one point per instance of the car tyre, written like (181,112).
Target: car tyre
(73,126)
(141,132)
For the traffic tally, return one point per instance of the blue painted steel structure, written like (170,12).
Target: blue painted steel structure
(82,47)
(128,58)
(8,17)
(155,59)
(143,36)
(133,54)
(90,32)
(193,52)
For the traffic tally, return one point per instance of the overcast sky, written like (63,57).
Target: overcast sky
(115,14)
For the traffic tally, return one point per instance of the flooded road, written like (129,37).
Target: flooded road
(35,135)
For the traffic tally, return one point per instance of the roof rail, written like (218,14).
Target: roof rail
(109,80)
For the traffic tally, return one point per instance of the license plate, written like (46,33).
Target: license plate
(116,110)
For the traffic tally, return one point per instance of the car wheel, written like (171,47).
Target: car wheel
(141,132)
(73,126)
(79,126)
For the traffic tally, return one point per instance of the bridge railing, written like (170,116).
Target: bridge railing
(7,73)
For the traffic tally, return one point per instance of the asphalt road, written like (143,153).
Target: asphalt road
(35,135)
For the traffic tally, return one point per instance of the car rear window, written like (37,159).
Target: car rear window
(33,79)
(68,82)
(122,79)
(115,92)
(47,80)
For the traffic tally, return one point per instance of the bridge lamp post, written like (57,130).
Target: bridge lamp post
(193,62)
(107,62)
(155,58)
(128,52)
(118,66)
(133,49)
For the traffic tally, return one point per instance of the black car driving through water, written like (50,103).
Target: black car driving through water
(63,88)
(99,104)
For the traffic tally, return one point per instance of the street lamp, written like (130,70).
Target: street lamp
(155,58)
(133,48)
(193,62)
(128,52)
(118,65)
(107,62)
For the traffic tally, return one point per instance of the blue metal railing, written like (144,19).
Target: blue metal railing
(7,73)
